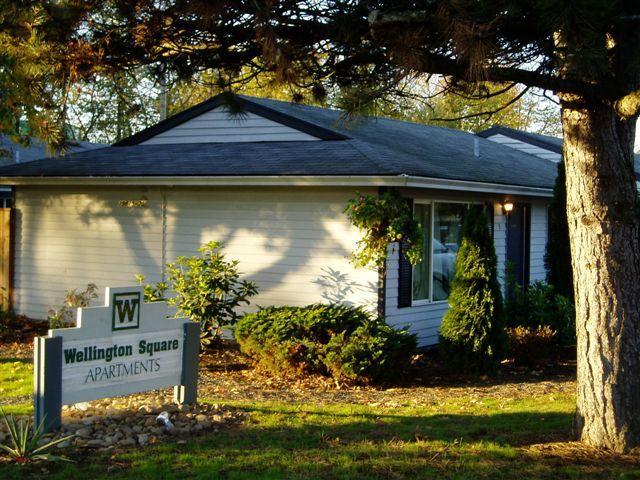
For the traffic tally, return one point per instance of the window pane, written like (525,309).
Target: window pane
(421,274)
(447,235)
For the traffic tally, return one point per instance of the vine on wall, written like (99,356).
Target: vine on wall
(384,219)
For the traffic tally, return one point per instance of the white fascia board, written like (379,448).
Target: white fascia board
(230,181)
(484,187)
(296,181)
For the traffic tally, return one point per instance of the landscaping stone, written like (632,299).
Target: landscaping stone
(124,422)
(143,439)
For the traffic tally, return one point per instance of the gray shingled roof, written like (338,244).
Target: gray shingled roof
(13,152)
(375,146)
(553,144)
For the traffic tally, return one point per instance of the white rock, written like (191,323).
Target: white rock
(82,406)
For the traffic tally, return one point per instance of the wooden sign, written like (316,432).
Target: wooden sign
(125,347)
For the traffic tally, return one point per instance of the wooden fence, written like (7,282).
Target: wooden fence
(6,257)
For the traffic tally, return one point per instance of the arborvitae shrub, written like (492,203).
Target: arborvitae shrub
(557,258)
(346,343)
(472,334)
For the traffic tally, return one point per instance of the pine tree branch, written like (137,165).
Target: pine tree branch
(448,65)
(487,113)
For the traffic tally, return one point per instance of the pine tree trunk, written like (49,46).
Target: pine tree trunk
(604,238)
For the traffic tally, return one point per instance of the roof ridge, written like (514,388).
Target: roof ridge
(366,117)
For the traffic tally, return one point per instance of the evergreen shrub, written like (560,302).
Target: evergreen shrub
(472,334)
(344,342)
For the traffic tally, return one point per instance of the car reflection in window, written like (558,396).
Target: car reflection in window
(444,265)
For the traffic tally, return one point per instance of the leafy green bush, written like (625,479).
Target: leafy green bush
(539,305)
(153,293)
(531,346)
(472,333)
(384,219)
(340,341)
(208,290)
(65,316)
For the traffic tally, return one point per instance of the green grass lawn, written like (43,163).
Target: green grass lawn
(455,437)
(16,380)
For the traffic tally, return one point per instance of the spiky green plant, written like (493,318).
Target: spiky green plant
(23,445)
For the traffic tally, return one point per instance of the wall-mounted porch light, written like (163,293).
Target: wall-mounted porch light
(507,207)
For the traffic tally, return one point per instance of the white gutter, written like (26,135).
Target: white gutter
(466,186)
(296,181)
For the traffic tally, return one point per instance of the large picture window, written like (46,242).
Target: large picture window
(442,225)
(422,271)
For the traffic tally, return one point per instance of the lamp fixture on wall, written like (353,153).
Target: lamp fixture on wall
(507,207)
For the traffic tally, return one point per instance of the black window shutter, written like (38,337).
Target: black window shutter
(489,211)
(404,274)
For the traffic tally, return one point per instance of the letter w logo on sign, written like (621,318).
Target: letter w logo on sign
(126,311)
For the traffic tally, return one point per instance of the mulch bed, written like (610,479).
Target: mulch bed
(227,373)
(19,329)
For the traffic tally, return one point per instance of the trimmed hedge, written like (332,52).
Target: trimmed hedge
(340,341)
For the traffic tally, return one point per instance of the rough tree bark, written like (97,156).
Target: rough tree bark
(604,233)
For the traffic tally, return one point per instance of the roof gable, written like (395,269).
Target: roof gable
(543,146)
(212,122)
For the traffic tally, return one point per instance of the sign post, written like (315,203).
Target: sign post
(125,347)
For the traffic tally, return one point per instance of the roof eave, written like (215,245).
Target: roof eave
(290,180)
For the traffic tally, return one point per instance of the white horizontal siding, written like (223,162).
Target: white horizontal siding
(67,238)
(526,147)
(294,243)
(219,126)
(538,241)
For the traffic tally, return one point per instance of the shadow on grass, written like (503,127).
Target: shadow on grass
(512,429)
(302,444)
(299,443)
(24,361)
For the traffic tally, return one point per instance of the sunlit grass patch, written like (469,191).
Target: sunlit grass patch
(16,377)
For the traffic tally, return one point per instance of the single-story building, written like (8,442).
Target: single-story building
(272,183)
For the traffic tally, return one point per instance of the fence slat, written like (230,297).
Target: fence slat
(6,257)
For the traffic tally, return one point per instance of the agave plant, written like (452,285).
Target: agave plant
(23,444)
